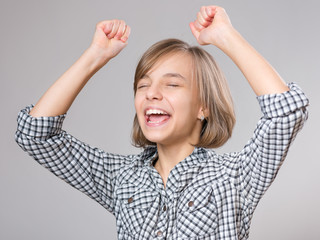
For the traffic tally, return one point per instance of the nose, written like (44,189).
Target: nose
(154,93)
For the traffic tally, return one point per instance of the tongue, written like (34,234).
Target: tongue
(158,117)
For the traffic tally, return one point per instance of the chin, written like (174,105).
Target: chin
(162,140)
(155,139)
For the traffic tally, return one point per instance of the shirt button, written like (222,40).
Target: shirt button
(130,200)
(159,233)
(164,208)
(190,204)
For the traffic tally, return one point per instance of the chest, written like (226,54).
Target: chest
(194,203)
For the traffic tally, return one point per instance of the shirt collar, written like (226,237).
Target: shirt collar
(184,172)
(150,153)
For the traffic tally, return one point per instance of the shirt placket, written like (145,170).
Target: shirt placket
(173,193)
(165,227)
(167,207)
(160,229)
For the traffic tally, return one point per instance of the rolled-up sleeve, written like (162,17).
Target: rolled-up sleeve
(255,167)
(88,169)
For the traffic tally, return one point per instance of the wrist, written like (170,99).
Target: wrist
(96,57)
(228,39)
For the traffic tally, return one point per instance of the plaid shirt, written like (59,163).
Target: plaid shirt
(207,196)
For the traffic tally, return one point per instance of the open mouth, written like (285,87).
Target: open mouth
(156,117)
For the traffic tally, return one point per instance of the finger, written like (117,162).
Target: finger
(198,26)
(121,30)
(115,28)
(211,11)
(194,30)
(126,34)
(204,14)
(203,22)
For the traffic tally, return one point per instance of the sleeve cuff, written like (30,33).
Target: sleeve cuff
(39,126)
(281,104)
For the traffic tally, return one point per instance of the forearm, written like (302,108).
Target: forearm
(59,97)
(260,74)
(213,26)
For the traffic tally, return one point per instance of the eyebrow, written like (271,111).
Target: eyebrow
(176,75)
(167,75)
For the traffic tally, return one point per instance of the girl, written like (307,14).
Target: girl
(177,188)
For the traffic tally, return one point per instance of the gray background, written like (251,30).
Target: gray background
(41,39)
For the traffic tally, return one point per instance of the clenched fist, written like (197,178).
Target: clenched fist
(211,26)
(110,37)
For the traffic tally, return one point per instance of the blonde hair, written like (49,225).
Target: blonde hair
(213,90)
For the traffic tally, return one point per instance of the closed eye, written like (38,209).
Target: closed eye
(143,83)
(142,86)
(173,85)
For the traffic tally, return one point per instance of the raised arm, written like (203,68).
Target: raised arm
(109,39)
(213,26)
(284,111)
(40,133)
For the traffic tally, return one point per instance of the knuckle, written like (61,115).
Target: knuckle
(115,22)
(127,30)
(99,24)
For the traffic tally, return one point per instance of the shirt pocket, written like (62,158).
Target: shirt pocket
(197,213)
(134,207)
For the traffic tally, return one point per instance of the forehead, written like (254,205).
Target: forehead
(178,62)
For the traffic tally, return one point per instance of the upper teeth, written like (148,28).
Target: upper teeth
(155,111)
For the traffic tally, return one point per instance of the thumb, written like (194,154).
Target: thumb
(102,29)
(194,31)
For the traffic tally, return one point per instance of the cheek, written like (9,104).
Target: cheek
(137,102)
(185,104)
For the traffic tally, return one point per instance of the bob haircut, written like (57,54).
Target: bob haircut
(213,89)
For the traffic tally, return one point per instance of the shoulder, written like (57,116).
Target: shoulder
(224,166)
(215,158)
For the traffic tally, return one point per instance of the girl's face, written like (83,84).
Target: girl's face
(167,102)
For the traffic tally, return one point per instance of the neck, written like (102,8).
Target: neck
(170,156)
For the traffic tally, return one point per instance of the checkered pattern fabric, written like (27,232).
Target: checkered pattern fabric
(208,196)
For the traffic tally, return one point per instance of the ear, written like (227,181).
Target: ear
(203,113)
